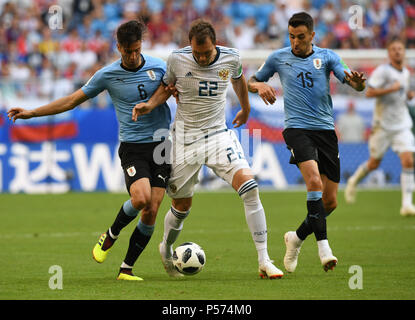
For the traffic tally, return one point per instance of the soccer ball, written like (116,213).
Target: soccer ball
(189,258)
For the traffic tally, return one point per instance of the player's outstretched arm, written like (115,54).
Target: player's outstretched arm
(58,106)
(377,92)
(356,80)
(159,97)
(241,90)
(265,91)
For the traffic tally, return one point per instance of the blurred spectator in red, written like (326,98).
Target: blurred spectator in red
(72,42)
(189,12)
(410,33)
(157,26)
(97,43)
(169,11)
(341,28)
(214,12)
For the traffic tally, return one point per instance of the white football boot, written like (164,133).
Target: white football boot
(167,260)
(327,259)
(350,191)
(408,211)
(266,270)
(293,247)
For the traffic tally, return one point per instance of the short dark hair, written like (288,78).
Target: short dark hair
(301,19)
(201,29)
(393,40)
(130,32)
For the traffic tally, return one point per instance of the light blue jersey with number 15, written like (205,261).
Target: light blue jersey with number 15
(305,82)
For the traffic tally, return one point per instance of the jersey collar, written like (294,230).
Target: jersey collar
(217,56)
(143,61)
(305,57)
(399,70)
(214,60)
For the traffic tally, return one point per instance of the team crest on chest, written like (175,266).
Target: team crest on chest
(317,63)
(223,74)
(151,75)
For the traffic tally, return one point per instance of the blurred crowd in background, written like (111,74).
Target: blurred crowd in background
(62,59)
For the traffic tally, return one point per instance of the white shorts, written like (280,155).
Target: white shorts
(221,152)
(400,141)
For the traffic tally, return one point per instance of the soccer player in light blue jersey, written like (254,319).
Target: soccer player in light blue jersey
(304,71)
(129,80)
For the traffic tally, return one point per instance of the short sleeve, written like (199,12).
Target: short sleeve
(377,78)
(337,65)
(267,70)
(95,85)
(237,71)
(169,75)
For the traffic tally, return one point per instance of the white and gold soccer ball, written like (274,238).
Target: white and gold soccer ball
(189,258)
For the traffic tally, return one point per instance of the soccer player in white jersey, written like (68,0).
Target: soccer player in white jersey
(201,74)
(304,70)
(392,123)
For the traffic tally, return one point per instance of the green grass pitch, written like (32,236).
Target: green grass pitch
(40,231)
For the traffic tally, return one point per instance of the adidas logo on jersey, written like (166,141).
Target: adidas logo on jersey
(189,74)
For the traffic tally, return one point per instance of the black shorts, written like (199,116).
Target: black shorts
(137,161)
(319,145)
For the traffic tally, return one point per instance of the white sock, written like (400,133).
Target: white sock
(111,235)
(124,265)
(361,172)
(407,186)
(323,247)
(173,224)
(255,217)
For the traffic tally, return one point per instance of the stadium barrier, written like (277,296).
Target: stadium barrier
(77,150)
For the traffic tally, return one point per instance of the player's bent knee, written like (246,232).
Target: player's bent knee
(330,205)
(140,201)
(249,192)
(314,183)
(407,163)
(373,164)
(182,204)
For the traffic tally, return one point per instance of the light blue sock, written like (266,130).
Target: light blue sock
(314,195)
(129,209)
(145,229)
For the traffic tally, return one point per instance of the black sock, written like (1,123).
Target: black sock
(316,218)
(304,230)
(126,271)
(121,221)
(138,241)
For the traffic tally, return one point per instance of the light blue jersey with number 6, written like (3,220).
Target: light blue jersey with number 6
(128,88)
(305,82)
